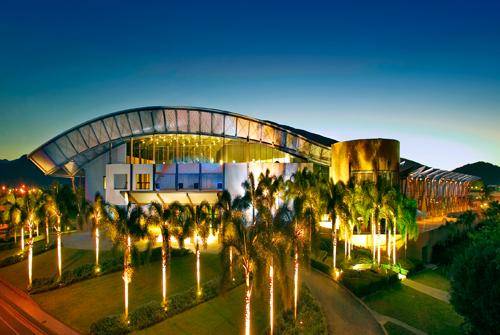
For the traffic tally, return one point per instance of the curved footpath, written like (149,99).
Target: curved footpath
(343,312)
(21,315)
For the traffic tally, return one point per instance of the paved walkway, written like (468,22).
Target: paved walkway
(24,316)
(343,312)
(383,319)
(430,291)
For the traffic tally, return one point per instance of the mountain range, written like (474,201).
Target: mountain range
(23,171)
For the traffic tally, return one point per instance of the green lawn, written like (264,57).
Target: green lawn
(103,296)
(222,315)
(45,265)
(416,309)
(394,329)
(432,278)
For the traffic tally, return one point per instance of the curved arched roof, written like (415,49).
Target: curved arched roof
(68,152)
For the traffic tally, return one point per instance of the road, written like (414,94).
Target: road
(14,323)
(20,315)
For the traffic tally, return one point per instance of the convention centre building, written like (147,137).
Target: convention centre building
(188,154)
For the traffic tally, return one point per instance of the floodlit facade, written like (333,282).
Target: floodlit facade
(189,154)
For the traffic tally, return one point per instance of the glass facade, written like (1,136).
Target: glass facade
(178,148)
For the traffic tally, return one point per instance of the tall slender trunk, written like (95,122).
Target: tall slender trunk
(231,263)
(394,245)
(126,273)
(378,241)
(15,235)
(248,296)
(388,242)
(30,259)
(345,243)
(37,231)
(22,237)
(334,241)
(164,268)
(58,237)
(198,284)
(46,231)
(296,284)
(271,298)
(97,247)
(406,243)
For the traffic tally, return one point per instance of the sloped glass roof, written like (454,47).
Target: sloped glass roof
(67,153)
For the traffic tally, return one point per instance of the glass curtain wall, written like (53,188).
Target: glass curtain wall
(164,149)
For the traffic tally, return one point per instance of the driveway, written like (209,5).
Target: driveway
(343,312)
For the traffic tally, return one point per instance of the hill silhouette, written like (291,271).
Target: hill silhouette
(23,171)
(489,173)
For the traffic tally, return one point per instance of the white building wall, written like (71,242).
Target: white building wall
(95,171)
(113,194)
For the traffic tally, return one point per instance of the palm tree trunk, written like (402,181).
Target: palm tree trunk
(164,269)
(126,273)
(334,241)
(97,247)
(231,263)
(58,237)
(378,242)
(394,245)
(15,235)
(388,242)
(30,260)
(373,242)
(406,242)
(46,232)
(248,296)
(271,298)
(37,231)
(296,284)
(198,267)
(22,237)
(345,243)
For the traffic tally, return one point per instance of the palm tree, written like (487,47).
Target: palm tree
(228,210)
(333,196)
(293,226)
(407,220)
(181,222)
(160,216)
(98,216)
(305,185)
(127,225)
(60,204)
(14,214)
(31,206)
(250,195)
(267,192)
(200,217)
(243,239)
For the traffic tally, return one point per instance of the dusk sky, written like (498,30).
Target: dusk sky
(425,73)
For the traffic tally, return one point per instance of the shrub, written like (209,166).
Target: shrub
(113,325)
(7,245)
(320,266)
(362,283)
(38,248)
(309,316)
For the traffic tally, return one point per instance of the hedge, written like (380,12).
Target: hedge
(153,312)
(362,283)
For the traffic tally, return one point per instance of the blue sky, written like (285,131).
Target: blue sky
(426,73)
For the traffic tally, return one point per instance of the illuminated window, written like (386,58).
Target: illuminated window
(143,181)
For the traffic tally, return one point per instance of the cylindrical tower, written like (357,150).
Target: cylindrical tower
(365,159)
